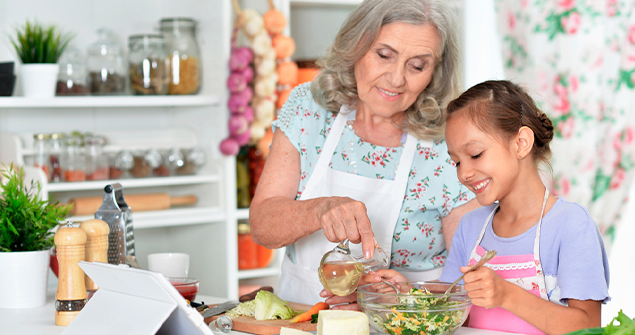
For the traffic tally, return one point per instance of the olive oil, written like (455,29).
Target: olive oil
(340,277)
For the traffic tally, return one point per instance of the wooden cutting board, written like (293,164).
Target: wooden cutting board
(248,324)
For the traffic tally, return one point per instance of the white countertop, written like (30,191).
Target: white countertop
(41,321)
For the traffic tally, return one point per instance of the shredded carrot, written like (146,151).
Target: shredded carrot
(446,318)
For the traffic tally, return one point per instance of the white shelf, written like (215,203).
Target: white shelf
(242,214)
(111,101)
(257,273)
(170,217)
(130,183)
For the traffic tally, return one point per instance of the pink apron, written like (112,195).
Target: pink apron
(522,270)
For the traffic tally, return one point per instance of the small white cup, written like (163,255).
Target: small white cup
(170,264)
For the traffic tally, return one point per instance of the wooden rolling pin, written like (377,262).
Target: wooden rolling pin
(137,202)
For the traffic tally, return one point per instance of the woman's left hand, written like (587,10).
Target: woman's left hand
(485,287)
(348,302)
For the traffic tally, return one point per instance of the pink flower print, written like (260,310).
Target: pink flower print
(303,175)
(408,210)
(303,132)
(571,23)
(451,162)
(431,244)
(414,239)
(611,7)
(562,106)
(617,142)
(397,236)
(629,135)
(303,149)
(432,200)
(631,34)
(405,224)
(511,20)
(618,179)
(573,83)
(537,262)
(316,115)
(307,113)
(523,4)
(566,127)
(565,5)
(413,173)
(318,150)
(565,186)
(422,207)
(425,228)
(534,286)
(438,171)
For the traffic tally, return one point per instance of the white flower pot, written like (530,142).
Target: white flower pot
(23,279)
(39,80)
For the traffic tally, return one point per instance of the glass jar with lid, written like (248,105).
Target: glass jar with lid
(96,163)
(57,147)
(73,160)
(73,77)
(145,162)
(41,150)
(149,65)
(105,65)
(184,53)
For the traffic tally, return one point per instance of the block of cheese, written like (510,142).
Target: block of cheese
(337,322)
(291,331)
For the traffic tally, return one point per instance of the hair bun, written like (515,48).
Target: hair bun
(547,126)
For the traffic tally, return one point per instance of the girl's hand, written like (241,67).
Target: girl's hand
(485,287)
(344,218)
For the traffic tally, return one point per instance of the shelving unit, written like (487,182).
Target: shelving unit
(111,101)
(134,183)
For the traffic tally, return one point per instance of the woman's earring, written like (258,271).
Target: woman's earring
(520,157)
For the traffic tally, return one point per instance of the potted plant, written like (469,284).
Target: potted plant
(26,224)
(39,47)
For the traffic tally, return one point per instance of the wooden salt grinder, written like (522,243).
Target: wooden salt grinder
(96,246)
(71,290)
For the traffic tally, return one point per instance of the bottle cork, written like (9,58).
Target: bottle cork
(96,249)
(71,290)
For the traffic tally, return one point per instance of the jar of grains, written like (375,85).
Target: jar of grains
(149,65)
(184,53)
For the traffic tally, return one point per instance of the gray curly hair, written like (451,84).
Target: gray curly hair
(335,85)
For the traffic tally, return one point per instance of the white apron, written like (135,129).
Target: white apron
(383,199)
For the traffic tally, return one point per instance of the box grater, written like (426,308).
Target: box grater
(127,215)
(118,238)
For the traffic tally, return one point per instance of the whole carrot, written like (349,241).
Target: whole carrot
(306,316)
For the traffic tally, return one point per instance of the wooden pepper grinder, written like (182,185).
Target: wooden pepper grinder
(71,289)
(96,247)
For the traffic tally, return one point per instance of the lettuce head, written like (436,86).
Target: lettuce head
(269,307)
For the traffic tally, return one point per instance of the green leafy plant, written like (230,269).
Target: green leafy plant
(36,43)
(626,326)
(25,220)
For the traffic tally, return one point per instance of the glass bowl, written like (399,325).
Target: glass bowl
(188,287)
(422,312)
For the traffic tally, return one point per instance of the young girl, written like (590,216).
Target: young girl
(551,272)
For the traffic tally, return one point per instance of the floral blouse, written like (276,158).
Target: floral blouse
(433,188)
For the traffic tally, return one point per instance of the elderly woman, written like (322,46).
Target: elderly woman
(358,153)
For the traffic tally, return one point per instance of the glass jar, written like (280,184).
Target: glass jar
(73,160)
(41,151)
(195,158)
(57,148)
(120,164)
(184,53)
(73,78)
(149,65)
(243,197)
(170,162)
(96,162)
(247,248)
(145,162)
(105,65)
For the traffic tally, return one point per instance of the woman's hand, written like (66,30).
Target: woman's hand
(344,218)
(348,302)
(485,287)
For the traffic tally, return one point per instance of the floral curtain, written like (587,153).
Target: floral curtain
(577,59)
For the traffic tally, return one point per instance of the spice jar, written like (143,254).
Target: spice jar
(73,77)
(57,148)
(120,164)
(184,53)
(149,65)
(73,160)
(171,161)
(243,197)
(105,65)
(96,162)
(41,150)
(145,162)
(195,158)
(247,254)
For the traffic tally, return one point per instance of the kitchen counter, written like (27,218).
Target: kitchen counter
(41,321)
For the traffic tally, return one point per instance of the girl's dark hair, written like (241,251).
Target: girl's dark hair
(502,107)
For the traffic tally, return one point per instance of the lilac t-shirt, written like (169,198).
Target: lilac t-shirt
(571,250)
